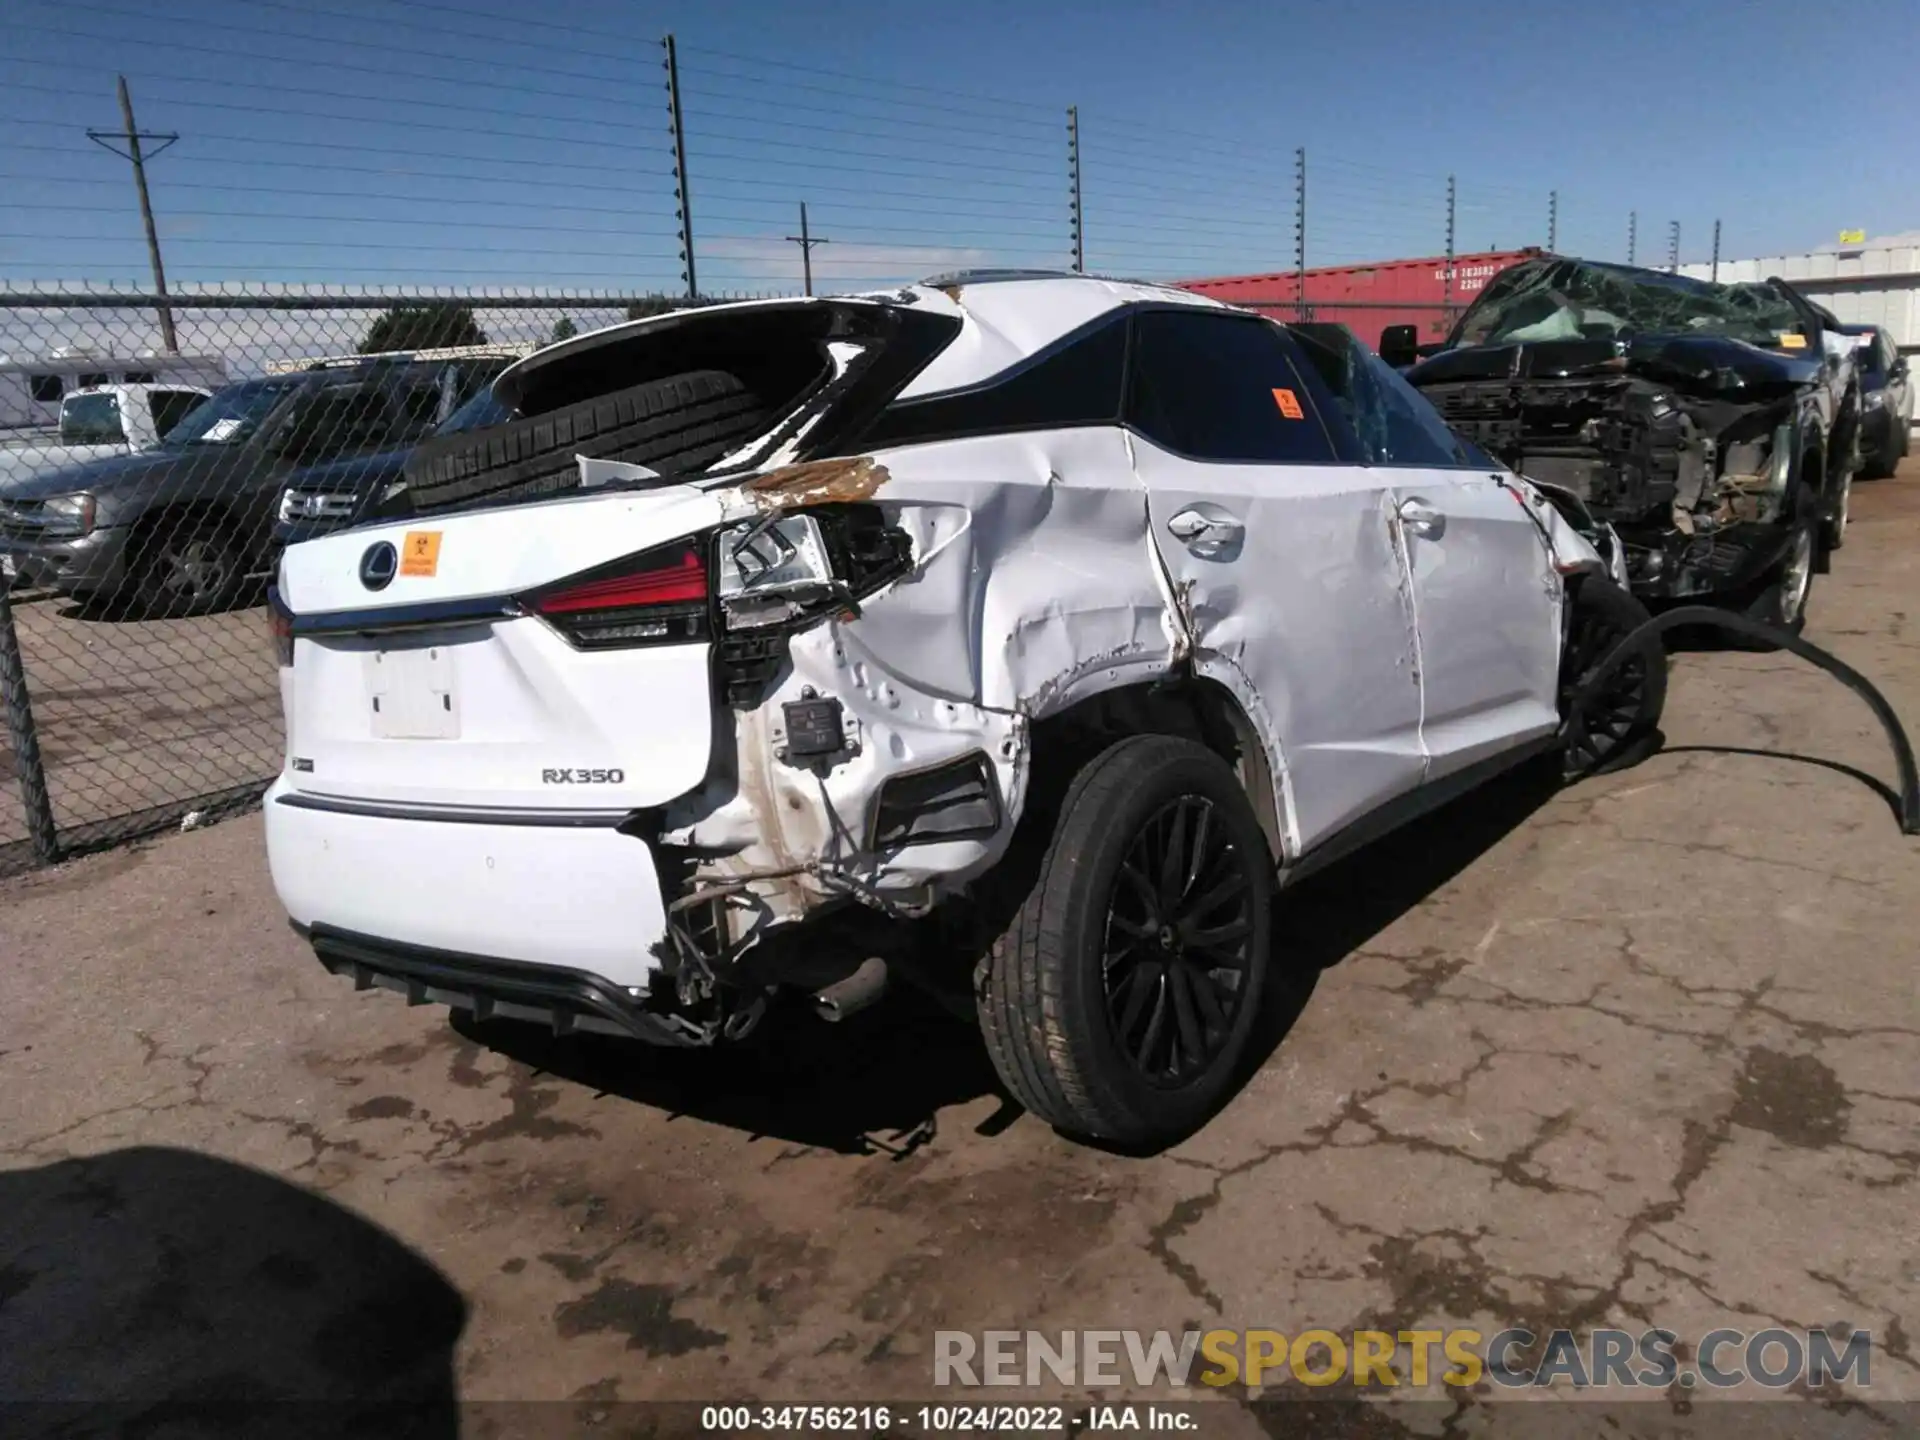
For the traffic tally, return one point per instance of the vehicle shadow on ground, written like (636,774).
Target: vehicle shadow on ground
(872,1084)
(162,1293)
(1879,787)
(875,1083)
(121,609)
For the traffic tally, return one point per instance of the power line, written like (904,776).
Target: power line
(870,79)
(409,151)
(844,133)
(363,117)
(438,248)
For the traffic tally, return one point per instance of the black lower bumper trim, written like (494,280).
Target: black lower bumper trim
(554,995)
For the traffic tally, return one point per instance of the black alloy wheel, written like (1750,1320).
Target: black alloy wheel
(1120,1003)
(1608,731)
(1176,954)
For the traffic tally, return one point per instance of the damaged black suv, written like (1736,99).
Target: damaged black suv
(1715,426)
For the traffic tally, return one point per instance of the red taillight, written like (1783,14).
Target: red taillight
(658,597)
(681,581)
(280,627)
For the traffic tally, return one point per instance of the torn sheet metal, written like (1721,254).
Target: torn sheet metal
(815,482)
(1034,584)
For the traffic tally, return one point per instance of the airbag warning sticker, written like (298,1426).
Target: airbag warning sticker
(1289,404)
(420,553)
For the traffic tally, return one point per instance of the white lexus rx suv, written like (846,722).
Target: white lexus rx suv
(770,638)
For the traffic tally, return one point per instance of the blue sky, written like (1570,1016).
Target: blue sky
(408,142)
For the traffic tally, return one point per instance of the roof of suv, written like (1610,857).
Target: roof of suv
(1005,317)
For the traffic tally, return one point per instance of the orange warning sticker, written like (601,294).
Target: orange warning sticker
(1791,341)
(420,553)
(1289,404)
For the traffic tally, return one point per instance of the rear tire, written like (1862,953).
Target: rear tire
(1619,726)
(1119,1004)
(679,424)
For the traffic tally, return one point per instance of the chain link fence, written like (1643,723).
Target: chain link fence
(160,438)
(145,494)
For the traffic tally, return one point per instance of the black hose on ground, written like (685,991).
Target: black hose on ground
(1909,796)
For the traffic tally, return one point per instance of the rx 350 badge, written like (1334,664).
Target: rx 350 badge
(583,777)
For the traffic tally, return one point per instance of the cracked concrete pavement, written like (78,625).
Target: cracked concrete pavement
(1643,1052)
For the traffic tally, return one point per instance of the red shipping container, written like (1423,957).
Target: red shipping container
(1368,298)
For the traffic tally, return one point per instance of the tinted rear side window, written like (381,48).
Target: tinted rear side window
(1221,387)
(1078,384)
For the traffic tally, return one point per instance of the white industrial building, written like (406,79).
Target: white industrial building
(1873,283)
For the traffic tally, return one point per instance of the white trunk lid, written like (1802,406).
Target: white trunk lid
(433,690)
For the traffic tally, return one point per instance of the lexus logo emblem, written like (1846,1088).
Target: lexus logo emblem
(379,565)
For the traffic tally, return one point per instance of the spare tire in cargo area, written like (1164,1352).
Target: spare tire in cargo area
(679,424)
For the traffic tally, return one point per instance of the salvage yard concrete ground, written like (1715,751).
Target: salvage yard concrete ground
(133,715)
(1643,1052)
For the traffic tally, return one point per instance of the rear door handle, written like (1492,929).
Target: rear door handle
(1206,529)
(1422,519)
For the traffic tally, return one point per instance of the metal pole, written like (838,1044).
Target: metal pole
(26,744)
(1300,233)
(1633,226)
(806,240)
(1716,251)
(1079,219)
(133,135)
(1447,297)
(1553,220)
(682,198)
(806,251)
(1673,245)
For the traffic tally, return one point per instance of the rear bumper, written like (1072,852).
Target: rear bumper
(555,891)
(489,988)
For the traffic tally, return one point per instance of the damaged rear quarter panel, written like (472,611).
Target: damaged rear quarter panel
(1037,546)
(1033,584)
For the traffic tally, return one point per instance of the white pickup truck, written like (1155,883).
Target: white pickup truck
(97,422)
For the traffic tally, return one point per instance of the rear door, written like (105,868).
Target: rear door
(1483,582)
(1286,553)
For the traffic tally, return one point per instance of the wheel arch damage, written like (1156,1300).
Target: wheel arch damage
(1033,619)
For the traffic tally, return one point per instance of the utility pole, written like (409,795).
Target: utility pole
(1553,221)
(1447,298)
(1716,251)
(1673,246)
(806,240)
(682,199)
(132,135)
(1633,226)
(1300,233)
(1078,211)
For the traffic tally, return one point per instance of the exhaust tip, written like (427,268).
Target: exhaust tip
(854,993)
